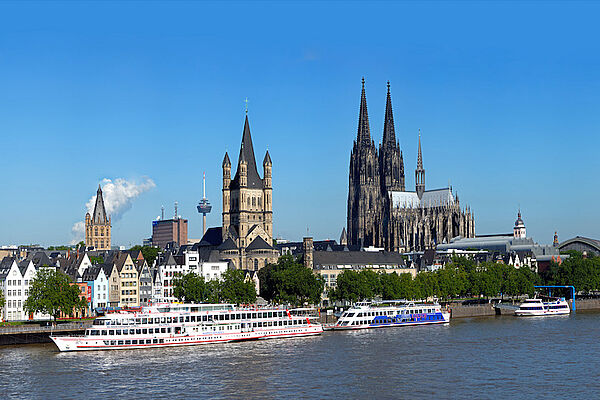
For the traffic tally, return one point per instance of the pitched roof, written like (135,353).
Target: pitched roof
(120,261)
(91,273)
(168,260)
(107,267)
(358,258)
(99,216)
(5,266)
(228,245)
(247,154)
(259,244)
(40,259)
(212,237)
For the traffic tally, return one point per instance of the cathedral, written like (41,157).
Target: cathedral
(381,212)
(97,227)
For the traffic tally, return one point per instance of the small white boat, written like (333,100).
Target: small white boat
(538,307)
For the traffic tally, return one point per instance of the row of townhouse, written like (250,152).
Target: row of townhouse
(125,280)
(111,279)
(15,281)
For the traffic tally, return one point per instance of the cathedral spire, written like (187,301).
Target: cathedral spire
(420,155)
(364,134)
(420,172)
(389,135)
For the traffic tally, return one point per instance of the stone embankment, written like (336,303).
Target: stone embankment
(25,334)
(458,310)
(587,304)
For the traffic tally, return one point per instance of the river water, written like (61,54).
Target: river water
(493,357)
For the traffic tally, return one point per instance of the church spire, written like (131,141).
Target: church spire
(420,172)
(389,135)
(99,216)
(420,155)
(247,155)
(364,134)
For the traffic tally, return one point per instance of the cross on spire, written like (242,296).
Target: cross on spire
(246,101)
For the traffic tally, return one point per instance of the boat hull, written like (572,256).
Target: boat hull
(81,343)
(445,320)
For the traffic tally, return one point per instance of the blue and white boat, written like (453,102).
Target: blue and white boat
(383,314)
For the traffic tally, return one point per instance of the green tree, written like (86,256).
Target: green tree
(150,253)
(213,291)
(190,288)
(96,259)
(2,301)
(235,289)
(394,286)
(353,285)
(288,281)
(52,292)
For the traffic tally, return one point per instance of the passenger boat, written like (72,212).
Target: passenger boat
(167,325)
(390,313)
(538,307)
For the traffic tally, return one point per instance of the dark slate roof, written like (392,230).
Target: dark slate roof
(139,264)
(259,244)
(357,258)
(5,266)
(23,266)
(169,260)
(107,267)
(212,237)
(226,162)
(208,254)
(228,245)
(267,159)
(120,261)
(99,216)
(247,154)
(91,273)
(40,259)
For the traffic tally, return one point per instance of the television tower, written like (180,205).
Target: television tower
(204,206)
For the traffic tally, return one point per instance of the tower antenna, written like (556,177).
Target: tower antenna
(176,217)
(162,212)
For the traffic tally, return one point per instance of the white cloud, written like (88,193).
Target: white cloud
(119,195)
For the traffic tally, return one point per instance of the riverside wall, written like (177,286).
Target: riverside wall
(27,334)
(458,310)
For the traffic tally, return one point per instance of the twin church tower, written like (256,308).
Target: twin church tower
(381,212)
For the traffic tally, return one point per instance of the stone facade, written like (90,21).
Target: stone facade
(247,231)
(381,212)
(98,227)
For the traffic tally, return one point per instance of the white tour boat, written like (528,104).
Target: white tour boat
(390,313)
(166,325)
(538,307)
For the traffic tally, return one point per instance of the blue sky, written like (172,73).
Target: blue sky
(506,95)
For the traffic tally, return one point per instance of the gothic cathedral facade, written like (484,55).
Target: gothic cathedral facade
(247,231)
(381,212)
(98,226)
